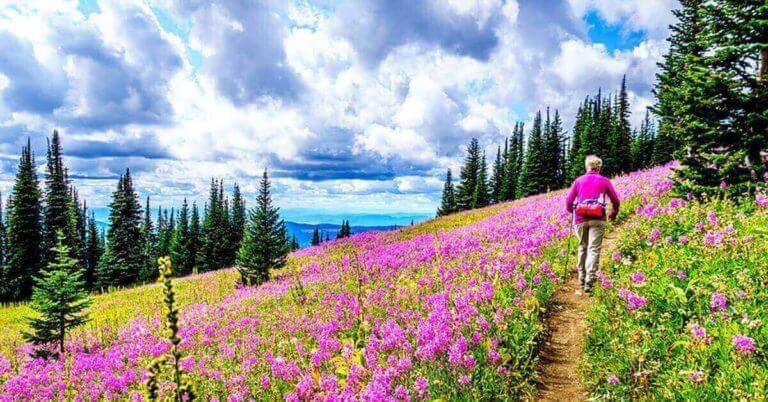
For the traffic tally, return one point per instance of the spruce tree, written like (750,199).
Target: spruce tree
(480,197)
(124,258)
(60,299)
(3,247)
(181,261)
(448,200)
(149,273)
(237,226)
(468,176)
(315,237)
(215,233)
(576,154)
(294,243)
(264,244)
(193,251)
(713,95)
(532,176)
(24,230)
(93,252)
(78,213)
(497,178)
(622,144)
(57,212)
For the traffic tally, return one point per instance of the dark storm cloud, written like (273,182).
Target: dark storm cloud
(249,62)
(375,27)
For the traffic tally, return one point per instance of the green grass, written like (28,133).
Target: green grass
(652,351)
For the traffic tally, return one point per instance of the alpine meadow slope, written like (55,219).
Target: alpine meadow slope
(451,308)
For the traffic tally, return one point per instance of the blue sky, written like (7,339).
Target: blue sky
(356,106)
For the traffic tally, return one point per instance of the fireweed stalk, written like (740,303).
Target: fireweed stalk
(451,313)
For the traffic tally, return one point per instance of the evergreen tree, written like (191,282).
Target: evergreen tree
(60,298)
(57,212)
(215,234)
(497,178)
(150,245)
(480,197)
(124,258)
(181,261)
(24,230)
(622,143)
(448,200)
(576,154)
(193,251)
(238,220)
(531,180)
(713,97)
(512,164)
(78,216)
(93,252)
(552,152)
(3,247)
(294,244)
(643,154)
(328,235)
(315,237)
(264,243)
(468,176)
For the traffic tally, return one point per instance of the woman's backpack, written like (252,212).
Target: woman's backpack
(591,208)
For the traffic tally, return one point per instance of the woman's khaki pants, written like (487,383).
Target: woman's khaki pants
(590,236)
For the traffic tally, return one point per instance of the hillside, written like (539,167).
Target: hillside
(449,308)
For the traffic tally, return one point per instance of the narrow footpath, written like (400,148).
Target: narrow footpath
(562,351)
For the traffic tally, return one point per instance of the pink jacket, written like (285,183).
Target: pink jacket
(591,186)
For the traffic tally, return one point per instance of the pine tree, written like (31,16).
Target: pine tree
(576,155)
(316,237)
(497,178)
(264,244)
(24,230)
(328,235)
(480,197)
(60,298)
(552,152)
(124,258)
(57,212)
(468,176)
(448,200)
(531,180)
(294,243)
(643,144)
(94,250)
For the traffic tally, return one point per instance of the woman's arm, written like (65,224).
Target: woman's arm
(571,196)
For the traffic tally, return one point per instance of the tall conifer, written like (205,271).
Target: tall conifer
(24,230)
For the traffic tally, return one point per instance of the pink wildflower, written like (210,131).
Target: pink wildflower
(696,377)
(613,380)
(637,277)
(654,236)
(744,344)
(718,302)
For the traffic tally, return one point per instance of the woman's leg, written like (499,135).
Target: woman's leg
(582,236)
(595,242)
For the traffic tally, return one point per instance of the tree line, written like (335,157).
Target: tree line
(224,233)
(550,159)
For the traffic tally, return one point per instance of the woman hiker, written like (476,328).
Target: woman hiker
(586,201)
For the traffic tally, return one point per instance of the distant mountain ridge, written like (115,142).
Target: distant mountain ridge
(303,231)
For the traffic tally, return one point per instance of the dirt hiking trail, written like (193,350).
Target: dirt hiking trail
(563,348)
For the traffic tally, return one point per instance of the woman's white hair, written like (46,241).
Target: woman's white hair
(592,162)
